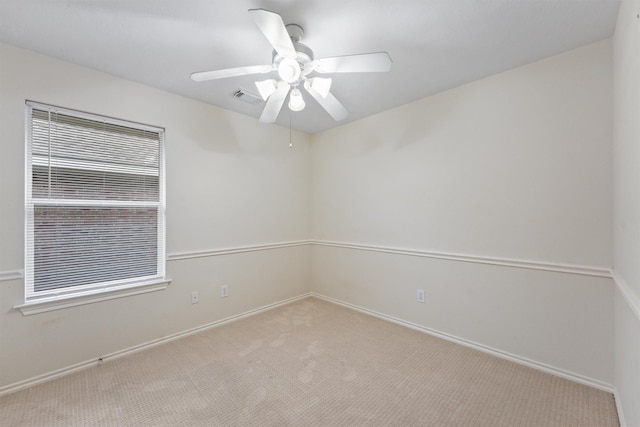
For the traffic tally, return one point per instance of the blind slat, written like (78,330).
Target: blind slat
(95,204)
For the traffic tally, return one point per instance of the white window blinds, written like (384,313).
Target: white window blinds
(94,203)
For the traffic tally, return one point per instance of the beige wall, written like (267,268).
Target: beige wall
(626,219)
(501,187)
(231,182)
(513,169)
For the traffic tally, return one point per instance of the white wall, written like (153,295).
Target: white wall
(231,183)
(626,220)
(512,169)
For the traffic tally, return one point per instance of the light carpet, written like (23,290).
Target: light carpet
(309,363)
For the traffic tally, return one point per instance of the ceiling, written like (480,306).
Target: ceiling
(434,44)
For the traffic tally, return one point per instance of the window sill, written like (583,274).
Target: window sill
(58,303)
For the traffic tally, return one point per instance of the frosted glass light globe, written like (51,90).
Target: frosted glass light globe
(289,70)
(296,102)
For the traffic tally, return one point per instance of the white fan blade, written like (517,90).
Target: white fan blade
(329,103)
(274,103)
(273,28)
(378,62)
(230,72)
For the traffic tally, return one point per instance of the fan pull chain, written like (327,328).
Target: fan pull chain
(290,143)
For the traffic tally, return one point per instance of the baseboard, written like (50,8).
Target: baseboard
(621,419)
(477,346)
(11,388)
(634,305)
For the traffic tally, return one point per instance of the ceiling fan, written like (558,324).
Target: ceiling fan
(294,63)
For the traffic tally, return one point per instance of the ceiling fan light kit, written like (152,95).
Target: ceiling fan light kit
(293,62)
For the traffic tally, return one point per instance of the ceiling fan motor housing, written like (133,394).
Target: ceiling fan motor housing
(304,58)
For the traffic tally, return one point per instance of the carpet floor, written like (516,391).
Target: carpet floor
(309,363)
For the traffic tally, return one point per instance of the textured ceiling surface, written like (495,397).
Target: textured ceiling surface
(434,44)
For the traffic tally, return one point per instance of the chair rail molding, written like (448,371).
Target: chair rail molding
(11,275)
(235,250)
(505,262)
(632,301)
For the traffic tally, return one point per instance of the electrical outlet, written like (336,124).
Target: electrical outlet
(195,297)
(420,295)
(224,291)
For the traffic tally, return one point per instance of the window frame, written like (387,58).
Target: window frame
(86,293)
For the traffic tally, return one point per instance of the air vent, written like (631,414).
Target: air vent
(246,96)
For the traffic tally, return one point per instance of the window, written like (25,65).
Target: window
(94,204)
